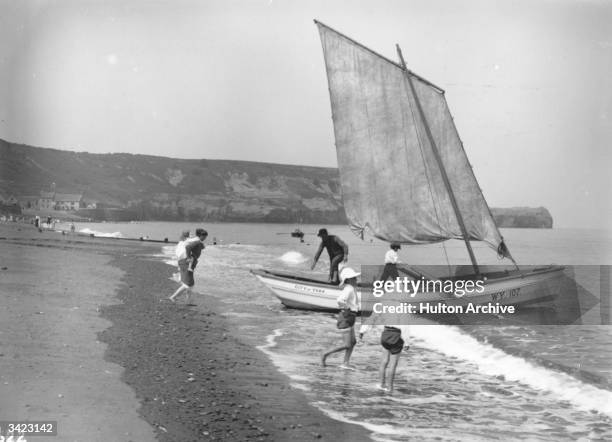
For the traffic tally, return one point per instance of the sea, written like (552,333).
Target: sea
(455,383)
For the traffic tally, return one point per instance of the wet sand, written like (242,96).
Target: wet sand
(89,340)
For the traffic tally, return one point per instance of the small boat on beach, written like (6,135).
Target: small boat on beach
(406,179)
(526,286)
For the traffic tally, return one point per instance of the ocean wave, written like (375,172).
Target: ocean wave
(495,362)
(286,363)
(389,432)
(381,429)
(239,246)
(293,258)
(87,231)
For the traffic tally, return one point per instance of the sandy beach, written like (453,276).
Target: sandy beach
(89,340)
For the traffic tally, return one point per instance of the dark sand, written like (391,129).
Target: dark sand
(191,376)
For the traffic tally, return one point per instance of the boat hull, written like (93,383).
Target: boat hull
(516,287)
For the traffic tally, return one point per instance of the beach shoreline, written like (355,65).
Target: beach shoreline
(190,376)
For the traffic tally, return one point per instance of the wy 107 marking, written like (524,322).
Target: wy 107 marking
(512,293)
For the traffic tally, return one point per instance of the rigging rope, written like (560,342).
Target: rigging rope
(447,260)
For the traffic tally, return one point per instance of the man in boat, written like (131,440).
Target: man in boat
(391,260)
(337,251)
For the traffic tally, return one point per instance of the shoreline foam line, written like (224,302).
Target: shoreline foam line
(494,362)
(116,235)
(270,342)
(382,432)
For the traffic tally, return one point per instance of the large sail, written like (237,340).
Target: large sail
(392,184)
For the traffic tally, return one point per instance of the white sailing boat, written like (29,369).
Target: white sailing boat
(405,178)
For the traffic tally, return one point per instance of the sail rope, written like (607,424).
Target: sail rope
(447,260)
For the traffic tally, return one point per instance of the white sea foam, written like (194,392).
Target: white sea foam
(286,363)
(299,386)
(168,253)
(386,432)
(293,258)
(101,234)
(270,341)
(494,362)
(381,429)
(437,398)
(243,247)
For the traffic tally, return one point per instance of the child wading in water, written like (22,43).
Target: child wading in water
(391,336)
(347,301)
(393,344)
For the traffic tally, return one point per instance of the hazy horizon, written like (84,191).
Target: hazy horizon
(529,83)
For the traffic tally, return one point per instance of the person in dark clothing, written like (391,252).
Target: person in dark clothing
(391,260)
(393,344)
(188,262)
(337,251)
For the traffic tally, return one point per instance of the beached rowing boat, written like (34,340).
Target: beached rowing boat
(405,178)
(519,286)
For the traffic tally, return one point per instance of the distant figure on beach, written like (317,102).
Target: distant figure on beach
(393,344)
(349,306)
(72,227)
(391,260)
(37,221)
(181,255)
(188,254)
(337,251)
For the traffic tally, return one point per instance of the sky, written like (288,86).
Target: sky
(529,83)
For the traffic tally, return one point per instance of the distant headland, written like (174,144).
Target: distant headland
(126,187)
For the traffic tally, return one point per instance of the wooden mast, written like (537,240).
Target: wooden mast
(438,158)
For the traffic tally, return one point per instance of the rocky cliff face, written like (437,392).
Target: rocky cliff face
(157,188)
(538,217)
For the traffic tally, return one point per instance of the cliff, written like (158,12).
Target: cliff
(148,187)
(143,187)
(538,217)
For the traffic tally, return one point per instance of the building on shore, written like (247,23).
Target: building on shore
(68,201)
(8,200)
(46,200)
(28,202)
(51,201)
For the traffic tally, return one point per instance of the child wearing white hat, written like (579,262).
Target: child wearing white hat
(349,306)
